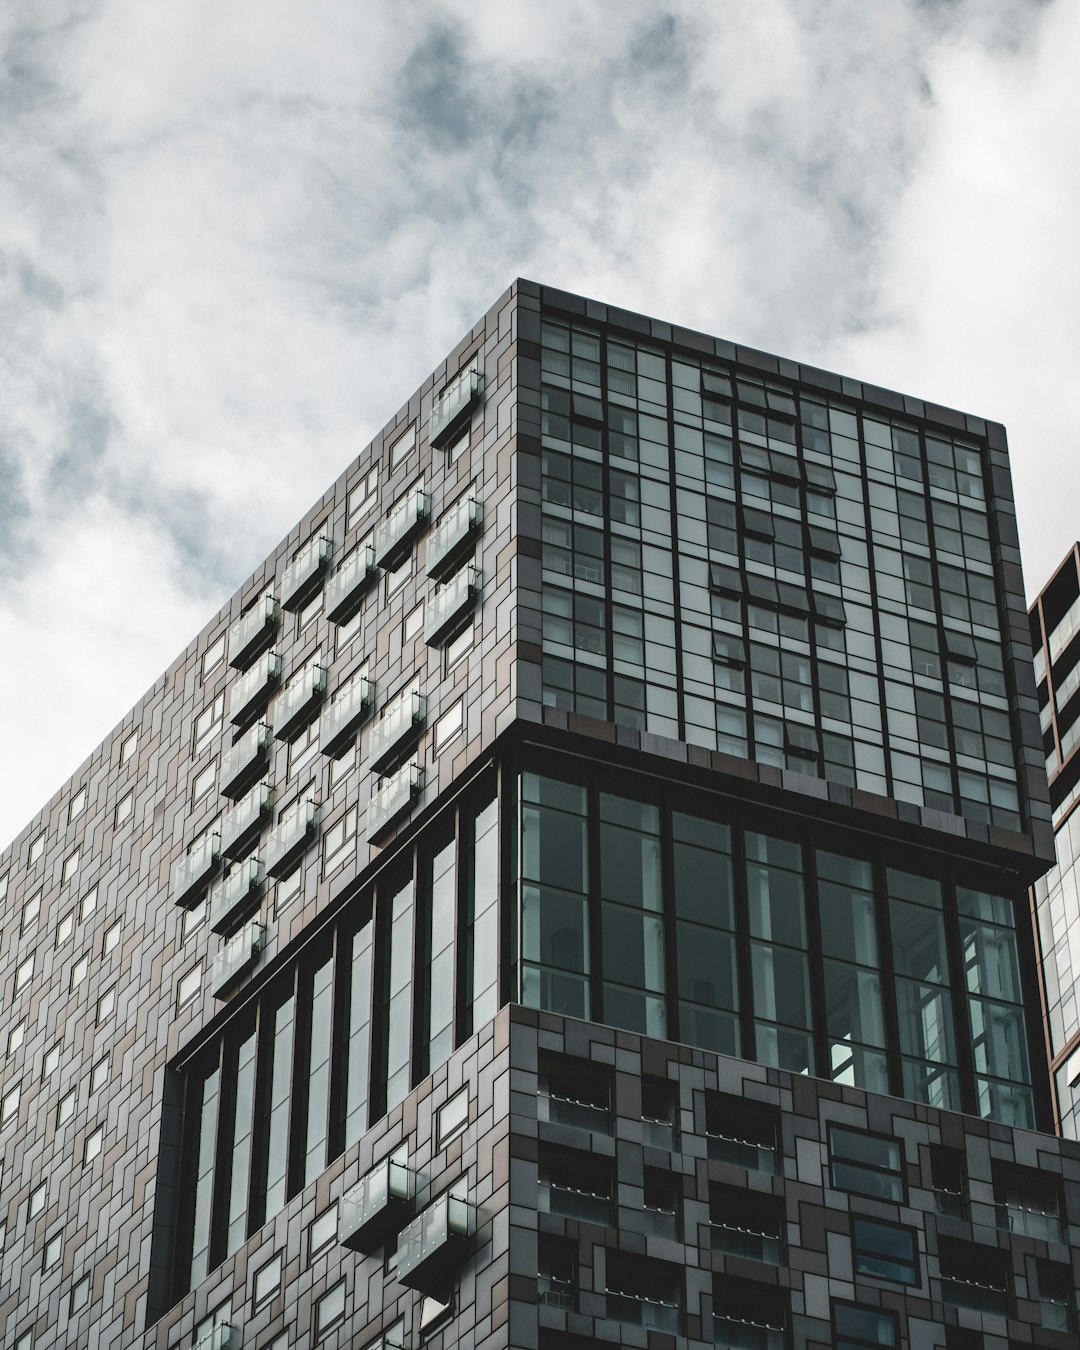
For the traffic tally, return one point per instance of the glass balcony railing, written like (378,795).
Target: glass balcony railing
(193,871)
(579,1115)
(401,721)
(293,834)
(251,691)
(449,410)
(567,1202)
(401,526)
(1054,1315)
(1032,1223)
(450,537)
(377,1197)
(233,896)
(985,1298)
(661,1223)
(245,759)
(552,1292)
(298,701)
(447,609)
(657,1133)
(221,1337)
(345,589)
(237,957)
(950,1204)
(244,820)
(302,575)
(252,632)
(731,1333)
(731,1240)
(393,797)
(651,1314)
(341,719)
(742,1153)
(430,1245)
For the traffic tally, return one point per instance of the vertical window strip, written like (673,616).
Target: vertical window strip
(483,933)
(358,1054)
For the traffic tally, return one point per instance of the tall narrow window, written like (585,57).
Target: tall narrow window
(206,1134)
(396,938)
(780,965)
(440,922)
(276,1118)
(358,1061)
(318,1071)
(240,1157)
(632,920)
(853,1008)
(483,935)
(705,934)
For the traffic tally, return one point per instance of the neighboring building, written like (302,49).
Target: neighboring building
(574,893)
(1055,629)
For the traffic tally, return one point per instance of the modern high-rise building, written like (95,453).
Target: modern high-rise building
(1055,640)
(575,893)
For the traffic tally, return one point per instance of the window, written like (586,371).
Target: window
(207,723)
(79,971)
(37,848)
(866,1164)
(65,1109)
(884,1251)
(266,1284)
(414,623)
(89,904)
(77,804)
(65,928)
(453,1117)
(80,1295)
(330,1310)
(402,447)
(449,725)
(30,910)
(855,1328)
(310,612)
(746,1223)
(51,1062)
(10,1104)
(459,447)
(53,1249)
(93,1145)
(322,1232)
(974,1276)
(741,1132)
(106,1005)
(213,656)
(124,807)
(128,747)
(189,986)
(457,648)
(38,1199)
(16,1036)
(363,497)
(99,1074)
(396,579)
(339,839)
(193,919)
(24,974)
(111,938)
(203,783)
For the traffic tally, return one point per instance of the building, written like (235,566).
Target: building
(1055,622)
(574,893)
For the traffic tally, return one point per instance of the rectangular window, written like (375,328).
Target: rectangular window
(363,497)
(884,1251)
(866,1164)
(856,1328)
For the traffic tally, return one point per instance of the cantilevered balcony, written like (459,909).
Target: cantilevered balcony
(192,873)
(345,589)
(253,632)
(294,833)
(341,720)
(245,760)
(393,798)
(221,1337)
(251,692)
(303,576)
(376,1204)
(299,701)
(450,606)
(453,536)
(237,957)
(235,895)
(244,821)
(394,732)
(432,1245)
(452,408)
(395,535)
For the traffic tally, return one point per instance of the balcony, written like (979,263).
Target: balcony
(345,589)
(657,1133)
(432,1245)
(394,732)
(341,720)
(731,1333)
(568,1202)
(742,1153)
(245,760)
(950,1204)
(661,1223)
(252,632)
(394,537)
(192,872)
(450,606)
(221,1337)
(241,826)
(394,796)
(985,1298)
(551,1292)
(577,1114)
(451,409)
(294,833)
(237,957)
(1032,1223)
(298,702)
(453,536)
(651,1314)
(303,575)
(375,1205)
(730,1240)
(236,894)
(250,693)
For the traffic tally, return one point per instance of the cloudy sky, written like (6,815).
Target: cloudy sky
(234,235)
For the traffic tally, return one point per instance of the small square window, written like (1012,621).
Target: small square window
(24,974)
(189,986)
(402,447)
(330,1310)
(92,1146)
(71,866)
(77,805)
(414,623)
(267,1283)
(89,904)
(124,807)
(30,911)
(99,1074)
(65,928)
(80,1295)
(203,783)
(37,848)
(16,1036)
(51,1062)
(37,1201)
(449,724)
(53,1249)
(128,747)
(322,1231)
(65,1109)
(10,1104)
(111,938)
(79,971)
(106,1005)
(213,656)
(456,650)
(453,1117)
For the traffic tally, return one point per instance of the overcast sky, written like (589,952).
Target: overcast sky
(235,234)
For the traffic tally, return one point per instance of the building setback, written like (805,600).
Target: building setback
(575,892)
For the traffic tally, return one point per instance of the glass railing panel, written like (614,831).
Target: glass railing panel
(729,1333)
(448,606)
(253,688)
(1054,1315)
(977,1297)
(387,1185)
(242,760)
(657,1133)
(291,836)
(425,1239)
(340,719)
(649,1313)
(449,408)
(298,699)
(554,1293)
(398,529)
(236,893)
(567,1202)
(245,817)
(345,589)
(394,796)
(662,1223)
(1032,1223)
(950,1204)
(579,1115)
(302,572)
(252,631)
(401,719)
(742,1153)
(221,1337)
(731,1240)
(193,870)
(452,532)
(237,956)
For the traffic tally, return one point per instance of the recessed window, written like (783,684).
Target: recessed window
(37,1201)
(189,986)
(106,1005)
(71,866)
(24,974)
(884,1251)
(16,1036)
(414,623)
(51,1062)
(288,890)
(89,904)
(453,1117)
(456,649)
(3,888)
(111,938)
(10,1104)
(267,1283)
(434,1314)
(79,971)
(99,1074)
(856,1328)
(395,580)
(25,1342)
(339,839)
(402,447)
(213,656)
(93,1144)
(322,1232)
(30,910)
(80,1295)
(363,497)
(37,848)
(459,447)
(65,1109)
(449,724)
(124,807)
(866,1164)
(53,1249)
(129,746)
(208,723)
(204,783)
(193,919)
(330,1310)
(77,805)
(65,928)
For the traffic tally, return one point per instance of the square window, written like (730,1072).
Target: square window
(71,866)
(106,1005)
(189,986)
(449,725)
(93,1145)
(111,939)
(89,904)
(453,1117)
(65,1109)
(124,807)
(77,805)
(213,656)
(99,1074)
(855,1328)
(884,1251)
(322,1232)
(267,1283)
(128,747)
(80,1295)
(330,1310)
(37,848)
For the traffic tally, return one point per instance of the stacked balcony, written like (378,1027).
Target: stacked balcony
(192,872)
(454,535)
(221,1337)
(236,895)
(295,832)
(375,1205)
(241,826)
(432,1245)
(341,720)
(251,692)
(395,535)
(394,732)
(253,632)
(393,798)
(245,760)
(453,407)
(237,957)
(450,606)
(305,573)
(299,702)
(345,589)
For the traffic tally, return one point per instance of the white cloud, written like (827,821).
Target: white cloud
(233,238)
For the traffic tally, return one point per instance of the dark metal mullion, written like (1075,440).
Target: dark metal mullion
(191,1131)
(256,1199)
